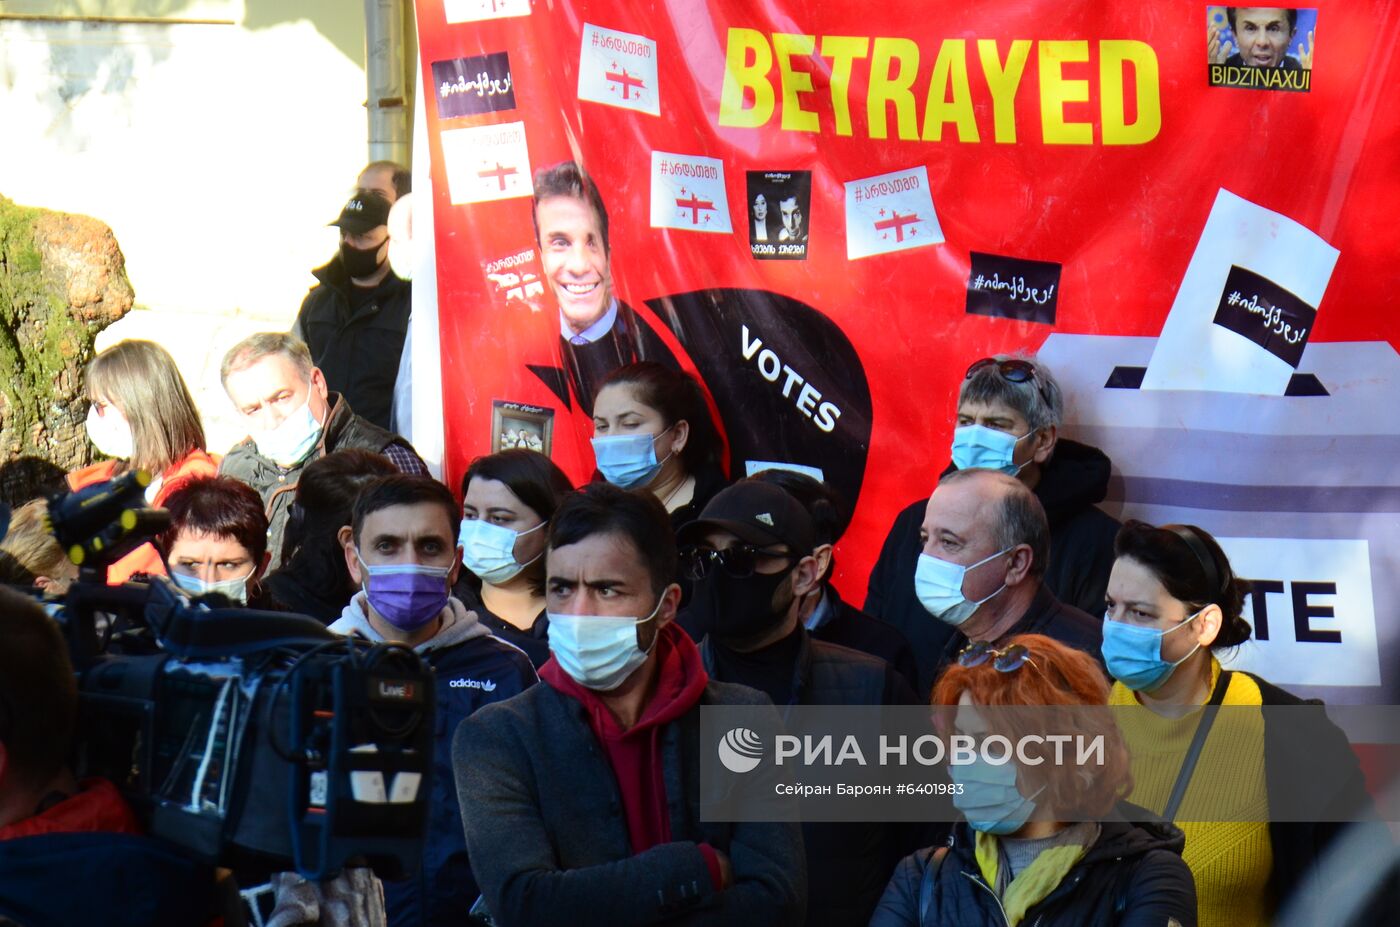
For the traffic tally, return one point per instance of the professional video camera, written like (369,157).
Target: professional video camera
(250,738)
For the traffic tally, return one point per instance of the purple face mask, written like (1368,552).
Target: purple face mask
(407,595)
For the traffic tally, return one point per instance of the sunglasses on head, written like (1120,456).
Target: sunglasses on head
(1003,661)
(739,561)
(1011,370)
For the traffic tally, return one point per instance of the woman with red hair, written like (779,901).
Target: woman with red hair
(1044,844)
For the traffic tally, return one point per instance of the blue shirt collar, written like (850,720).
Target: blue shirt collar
(593,332)
(821,614)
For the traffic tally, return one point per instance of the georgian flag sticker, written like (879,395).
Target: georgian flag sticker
(618,69)
(687,193)
(891,212)
(487,163)
(475,11)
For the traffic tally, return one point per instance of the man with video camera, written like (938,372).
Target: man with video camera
(57,833)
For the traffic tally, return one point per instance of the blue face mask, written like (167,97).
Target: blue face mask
(989,798)
(938,586)
(1133,654)
(598,651)
(983,447)
(628,461)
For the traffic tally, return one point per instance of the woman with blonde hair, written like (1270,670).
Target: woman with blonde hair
(142,416)
(29,555)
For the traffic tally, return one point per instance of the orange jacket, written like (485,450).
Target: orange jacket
(145,559)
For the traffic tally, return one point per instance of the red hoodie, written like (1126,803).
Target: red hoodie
(98,808)
(635,754)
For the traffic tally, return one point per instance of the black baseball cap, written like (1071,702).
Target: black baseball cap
(366,210)
(757,513)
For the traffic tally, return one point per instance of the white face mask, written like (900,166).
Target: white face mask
(598,651)
(489,550)
(236,590)
(293,439)
(110,433)
(938,584)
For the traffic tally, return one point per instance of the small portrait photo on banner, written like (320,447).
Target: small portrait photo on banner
(778,204)
(518,424)
(1260,47)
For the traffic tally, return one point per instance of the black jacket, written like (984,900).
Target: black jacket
(850,627)
(548,838)
(277,486)
(469,672)
(1046,615)
(847,863)
(1133,876)
(535,642)
(709,481)
(117,880)
(1310,772)
(358,349)
(627,342)
(1081,551)
(828,674)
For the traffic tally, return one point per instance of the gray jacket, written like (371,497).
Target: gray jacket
(548,840)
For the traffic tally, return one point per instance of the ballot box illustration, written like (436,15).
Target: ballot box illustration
(1302,490)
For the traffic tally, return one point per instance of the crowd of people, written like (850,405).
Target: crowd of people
(575,632)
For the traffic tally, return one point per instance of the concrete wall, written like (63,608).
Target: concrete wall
(217,143)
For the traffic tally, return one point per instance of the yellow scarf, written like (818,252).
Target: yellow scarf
(1034,883)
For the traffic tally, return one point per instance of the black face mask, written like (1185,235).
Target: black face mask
(360,263)
(738,609)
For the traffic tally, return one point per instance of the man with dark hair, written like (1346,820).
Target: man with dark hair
(355,320)
(1009,415)
(597,334)
(794,227)
(389,179)
(581,796)
(217,539)
(825,615)
(986,544)
(750,555)
(292,418)
(401,549)
(57,832)
(1263,35)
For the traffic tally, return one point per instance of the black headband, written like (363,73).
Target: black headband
(1208,565)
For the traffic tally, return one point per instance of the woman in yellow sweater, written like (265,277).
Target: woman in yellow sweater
(1173,601)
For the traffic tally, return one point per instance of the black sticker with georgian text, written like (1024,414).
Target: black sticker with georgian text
(470,86)
(1013,288)
(1265,313)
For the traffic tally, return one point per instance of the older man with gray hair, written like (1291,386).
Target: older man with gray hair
(986,543)
(292,418)
(1009,415)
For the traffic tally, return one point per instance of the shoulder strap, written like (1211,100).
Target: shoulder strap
(1193,753)
(935,863)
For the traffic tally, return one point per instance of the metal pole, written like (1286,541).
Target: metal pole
(387,101)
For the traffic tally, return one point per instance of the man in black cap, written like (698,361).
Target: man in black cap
(356,318)
(750,555)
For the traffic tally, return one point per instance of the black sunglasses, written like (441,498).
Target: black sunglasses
(739,561)
(1003,661)
(1012,371)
